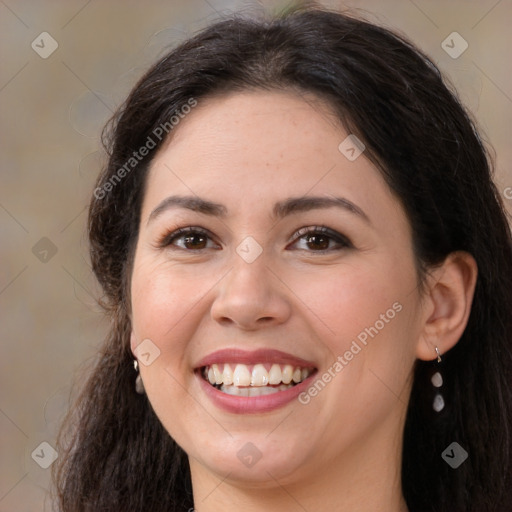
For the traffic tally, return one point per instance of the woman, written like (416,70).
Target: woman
(303,253)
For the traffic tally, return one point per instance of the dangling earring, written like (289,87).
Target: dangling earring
(437,382)
(139,386)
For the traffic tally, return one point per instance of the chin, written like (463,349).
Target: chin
(253,462)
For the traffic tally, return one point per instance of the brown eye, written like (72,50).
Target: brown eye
(320,239)
(197,241)
(319,242)
(189,238)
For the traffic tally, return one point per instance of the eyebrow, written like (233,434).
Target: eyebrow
(280,210)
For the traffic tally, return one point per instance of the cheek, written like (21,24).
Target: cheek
(164,304)
(364,314)
(168,304)
(159,300)
(346,299)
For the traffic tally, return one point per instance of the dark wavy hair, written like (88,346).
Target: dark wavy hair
(115,454)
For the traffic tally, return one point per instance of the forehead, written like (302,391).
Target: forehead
(258,147)
(256,126)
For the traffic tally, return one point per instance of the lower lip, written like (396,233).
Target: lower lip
(253,404)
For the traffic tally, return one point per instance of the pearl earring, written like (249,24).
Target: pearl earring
(139,385)
(437,382)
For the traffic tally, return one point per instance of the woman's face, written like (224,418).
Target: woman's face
(296,263)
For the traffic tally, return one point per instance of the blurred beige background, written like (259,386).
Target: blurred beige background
(52,111)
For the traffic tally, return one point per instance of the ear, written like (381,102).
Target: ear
(447,304)
(133,344)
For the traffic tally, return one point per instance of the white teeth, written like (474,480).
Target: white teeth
(263,390)
(217,374)
(243,391)
(274,375)
(287,374)
(241,375)
(227,374)
(259,376)
(255,391)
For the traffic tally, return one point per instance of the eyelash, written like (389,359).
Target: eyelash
(343,242)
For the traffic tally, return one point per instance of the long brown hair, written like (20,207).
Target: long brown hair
(115,454)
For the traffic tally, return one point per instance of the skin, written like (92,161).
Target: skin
(342,450)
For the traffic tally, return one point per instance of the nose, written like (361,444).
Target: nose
(251,297)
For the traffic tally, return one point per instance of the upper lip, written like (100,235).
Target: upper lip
(233,355)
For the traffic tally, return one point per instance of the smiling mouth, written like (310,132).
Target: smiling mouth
(254,380)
